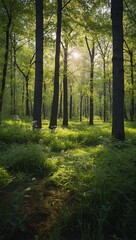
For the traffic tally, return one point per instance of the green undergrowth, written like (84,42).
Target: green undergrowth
(68,183)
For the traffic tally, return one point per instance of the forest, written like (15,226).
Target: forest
(67,120)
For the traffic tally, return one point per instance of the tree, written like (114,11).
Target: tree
(131,60)
(26,76)
(118,70)
(65,89)
(91,54)
(38,66)
(54,109)
(7,35)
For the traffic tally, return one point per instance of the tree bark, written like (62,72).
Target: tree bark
(54,109)
(27,97)
(65,88)
(71,103)
(4,72)
(110,97)
(11,78)
(91,54)
(23,97)
(14,83)
(104,92)
(37,122)
(60,102)
(132,104)
(118,70)
(132,111)
(81,106)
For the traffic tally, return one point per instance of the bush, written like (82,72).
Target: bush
(27,158)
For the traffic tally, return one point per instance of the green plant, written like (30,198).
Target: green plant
(27,158)
(5,177)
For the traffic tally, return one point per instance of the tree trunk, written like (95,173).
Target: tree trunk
(60,104)
(14,83)
(4,73)
(125,113)
(37,123)
(118,70)
(81,106)
(23,97)
(110,98)
(132,86)
(104,92)
(91,54)
(54,109)
(27,97)
(65,88)
(71,103)
(11,79)
(44,105)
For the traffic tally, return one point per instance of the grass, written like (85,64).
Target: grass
(71,183)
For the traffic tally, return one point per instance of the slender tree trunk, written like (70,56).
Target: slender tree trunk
(132,104)
(14,83)
(104,92)
(87,105)
(37,123)
(100,107)
(118,70)
(71,103)
(4,72)
(65,88)
(11,78)
(132,86)
(44,105)
(125,112)
(54,109)
(91,54)
(27,97)
(91,119)
(110,98)
(81,106)
(60,104)
(23,96)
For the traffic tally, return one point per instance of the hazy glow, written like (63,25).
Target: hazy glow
(75,54)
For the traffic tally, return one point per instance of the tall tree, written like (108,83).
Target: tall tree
(26,76)
(37,123)
(70,102)
(131,60)
(7,38)
(104,49)
(65,83)
(54,109)
(91,54)
(118,70)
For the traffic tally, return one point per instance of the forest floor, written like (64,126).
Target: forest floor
(74,183)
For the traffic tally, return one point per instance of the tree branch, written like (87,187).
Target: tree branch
(25,76)
(126,45)
(66,4)
(62,45)
(132,17)
(87,44)
(6,9)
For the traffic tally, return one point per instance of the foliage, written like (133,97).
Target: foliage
(5,177)
(86,187)
(29,158)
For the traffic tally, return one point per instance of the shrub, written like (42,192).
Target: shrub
(27,158)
